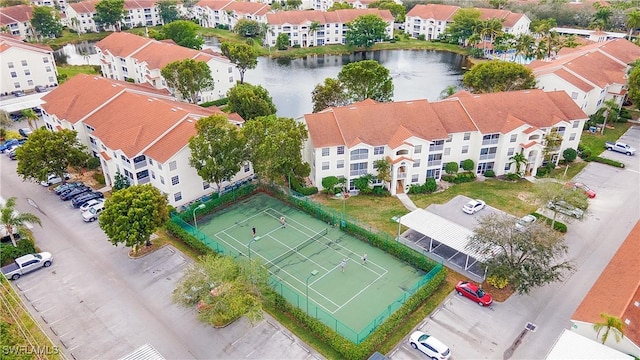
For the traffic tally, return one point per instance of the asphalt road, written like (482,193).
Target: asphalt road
(97,303)
(498,332)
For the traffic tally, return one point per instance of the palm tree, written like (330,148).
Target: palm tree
(602,16)
(609,323)
(546,35)
(612,109)
(31,117)
(632,21)
(570,42)
(313,28)
(11,219)
(520,160)
(448,91)
(525,46)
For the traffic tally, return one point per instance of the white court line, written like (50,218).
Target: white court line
(358,293)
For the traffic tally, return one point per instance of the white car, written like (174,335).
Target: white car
(90,203)
(429,345)
(53,179)
(525,221)
(473,206)
(93,212)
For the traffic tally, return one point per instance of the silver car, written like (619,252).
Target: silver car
(563,207)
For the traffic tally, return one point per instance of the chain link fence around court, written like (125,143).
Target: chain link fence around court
(293,297)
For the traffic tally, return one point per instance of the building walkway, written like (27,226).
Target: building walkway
(406,202)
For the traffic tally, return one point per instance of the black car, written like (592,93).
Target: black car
(82,199)
(70,189)
(25,132)
(68,186)
(75,192)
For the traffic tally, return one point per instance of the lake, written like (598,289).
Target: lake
(417,74)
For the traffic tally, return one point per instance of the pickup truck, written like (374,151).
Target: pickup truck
(25,264)
(620,147)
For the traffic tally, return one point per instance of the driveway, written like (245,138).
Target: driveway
(96,302)
(499,332)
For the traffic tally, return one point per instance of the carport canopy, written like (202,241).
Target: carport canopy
(11,107)
(443,231)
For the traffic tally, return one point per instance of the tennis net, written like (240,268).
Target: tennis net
(278,259)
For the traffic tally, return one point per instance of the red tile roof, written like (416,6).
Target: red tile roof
(434,11)
(509,19)
(15,14)
(240,7)
(339,16)
(621,49)
(393,123)
(8,41)
(617,289)
(84,7)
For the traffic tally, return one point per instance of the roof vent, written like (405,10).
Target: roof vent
(173,109)
(637,303)
(190,120)
(627,321)
(150,100)
(353,108)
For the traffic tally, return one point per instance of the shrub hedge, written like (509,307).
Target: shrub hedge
(460,178)
(558,226)
(602,160)
(8,252)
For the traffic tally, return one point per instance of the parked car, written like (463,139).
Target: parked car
(620,147)
(474,292)
(12,154)
(70,185)
(25,264)
(83,198)
(473,206)
(525,221)
(70,189)
(74,192)
(25,132)
(92,213)
(40,88)
(53,179)
(91,203)
(18,93)
(429,345)
(565,208)
(7,145)
(587,190)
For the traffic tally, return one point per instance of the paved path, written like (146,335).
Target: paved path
(406,201)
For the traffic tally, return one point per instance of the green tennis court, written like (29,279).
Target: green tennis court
(308,256)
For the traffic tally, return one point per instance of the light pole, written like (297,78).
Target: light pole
(199,207)
(313,273)
(251,242)
(399,224)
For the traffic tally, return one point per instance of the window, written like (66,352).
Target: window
(490,139)
(507,166)
(142,174)
(24,62)
(150,161)
(27,72)
(465,149)
(325,165)
(162,180)
(433,173)
(10,64)
(48,68)
(574,95)
(173,166)
(325,151)
(247,167)
(511,151)
(359,154)
(415,178)
(205,185)
(467,136)
(575,124)
(340,150)
(449,138)
(45,60)
(340,164)
(16,85)
(437,145)
(514,137)
(50,79)
(124,158)
(417,149)
(572,137)
(177,196)
(378,150)
(159,166)
(14,74)
(153,175)
(447,151)
(488,153)
(434,160)
(416,163)
(175,180)
(358,169)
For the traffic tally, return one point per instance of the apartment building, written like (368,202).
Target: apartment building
(138,13)
(332,25)
(137,131)
(17,20)
(418,138)
(135,58)
(215,13)
(590,74)
(58,4)
(431,20)
(25,66)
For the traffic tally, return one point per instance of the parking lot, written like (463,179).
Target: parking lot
(97,303)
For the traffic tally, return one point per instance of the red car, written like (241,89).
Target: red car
(587,190)
(473,292)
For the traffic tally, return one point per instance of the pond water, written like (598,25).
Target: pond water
(417,74)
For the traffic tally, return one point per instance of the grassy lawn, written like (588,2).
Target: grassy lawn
(73,70)
(573,170)
(596,141)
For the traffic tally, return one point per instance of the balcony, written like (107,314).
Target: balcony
(401,175)
(487,156)
(434,163)
(490,141)
(433,148)
(358,172)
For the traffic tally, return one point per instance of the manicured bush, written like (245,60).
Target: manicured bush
(584,151)
(497,281)
(602,160)
(430,186)
(451,168)
(219,102)
(8,252)
(380,190)
(512,177)
(569,154)
(328,183)
(489,173)
(468,165)
(460,178)
(92,163)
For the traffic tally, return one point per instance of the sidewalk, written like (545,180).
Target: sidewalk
(406,202)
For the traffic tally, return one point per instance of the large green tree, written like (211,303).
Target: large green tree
(250,101)
(283,41)
(366,79)
(338,5)
(275,147)
(463,27)
(131,215)
(46,21)
(188,77)
(632,21)
(552,192)
(397,10)
(12,220)
(48,152)
(236,283)
(634,83)
(247,28)
(168,10)
(183,33)
(245,57)
(331,93)
(495,76)
(218,151)
(528,258)
(109,13)
(365,31)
